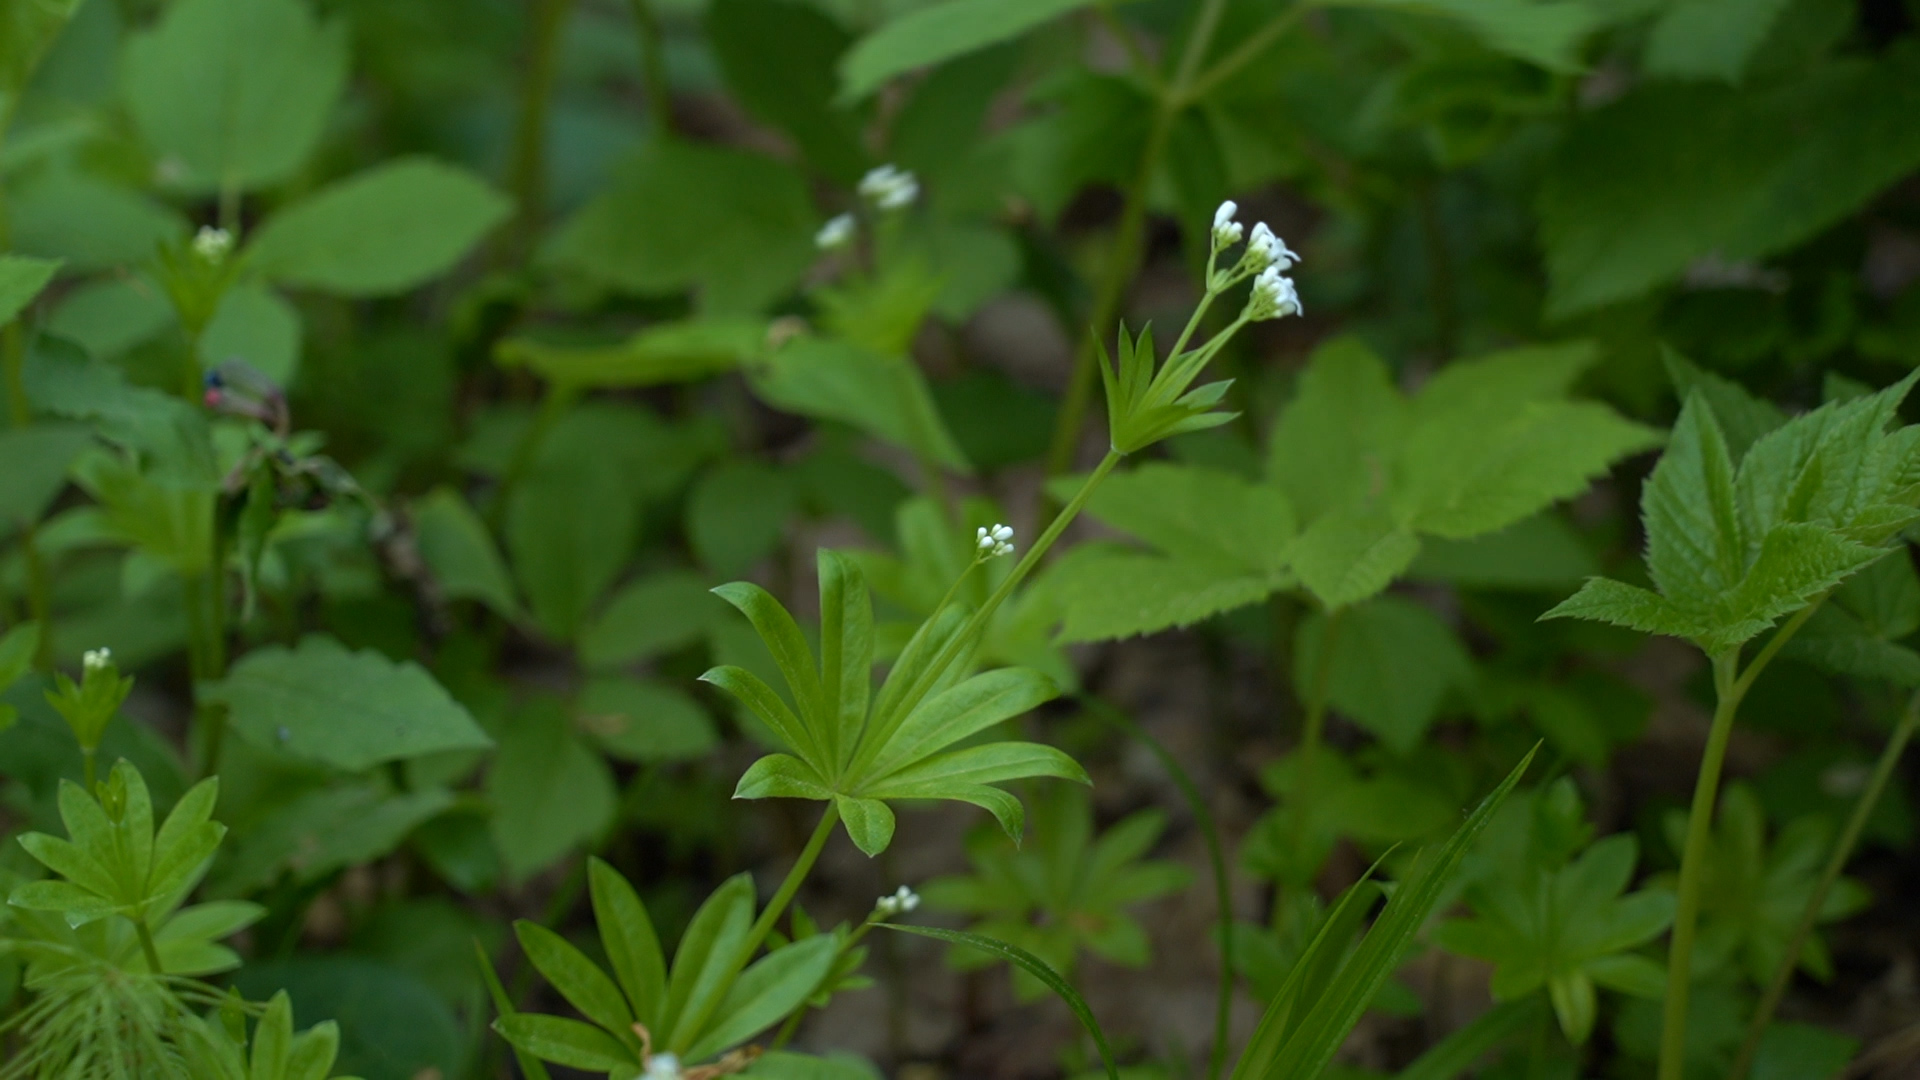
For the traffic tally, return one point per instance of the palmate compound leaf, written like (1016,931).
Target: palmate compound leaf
(859,750)
(1730,553)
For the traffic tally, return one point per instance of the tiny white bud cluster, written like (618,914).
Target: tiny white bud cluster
(902,901)
(889,188)
(1226,231)
(1270,249)
(95,659)
(995,541)
(663,1067)
(834,233)
(1273,296)
(212,244)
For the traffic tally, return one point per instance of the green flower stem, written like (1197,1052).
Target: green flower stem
(147,946)
(207,655)
(776,907)
(527,170)
(978,621)
(1842,851)
(1129,236)
(653,64)
(1730,684)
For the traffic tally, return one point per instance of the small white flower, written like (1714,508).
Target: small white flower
(1226,231)
(834,233)
(1269,249)
(95,659)
(212,244)
(994,541)
(889,188)
(663,1067)
(902,900)
(1273,296)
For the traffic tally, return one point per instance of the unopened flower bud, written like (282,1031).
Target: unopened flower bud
(212,244)
(835,233)
(889,188)
(1226,231)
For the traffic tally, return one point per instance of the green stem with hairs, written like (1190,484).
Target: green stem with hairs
(1842,851)
(1730,684)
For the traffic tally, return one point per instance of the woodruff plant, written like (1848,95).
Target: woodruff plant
(858,749)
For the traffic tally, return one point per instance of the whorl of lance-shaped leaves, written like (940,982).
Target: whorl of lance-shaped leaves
(1735,544)
(859,750)
(1145,406)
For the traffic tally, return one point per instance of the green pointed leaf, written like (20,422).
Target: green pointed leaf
(578,979)
(992,763)
(885,396)
(1696,548)
(37,458)
(383,231)
(1609,601)
(703,968)
(21,279)
(869,823)
(846,653)
(766,992)
(753,692)
(670,353)
(961,712)
(550,791)
(461,553)
(929,36)
(351,710)
(655,614)
(627,934)
(1197,515)
(503,1006)
(566,1042)
(780,776)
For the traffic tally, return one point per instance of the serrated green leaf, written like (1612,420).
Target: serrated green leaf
(383,231)
(1197,515)
(1609,601)
(1334,439)
(1349,555)
(351,710)
(1108,593)
(1743,417)
(1696,546)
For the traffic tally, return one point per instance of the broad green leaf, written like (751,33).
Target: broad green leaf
(778,58)
(774,986)
(1803,1052)
(92,224)
(1333,442)
(27,29)
(234,94)
(17,647)
(1709,39)
(1549,33)
(389,1018)
(1642,187)
(846,653)
(940,32)
(21,279)
(1392,663)
(578,979)
(679,352)
(733,225)
(1198,515)
(884,396)
(1351,554)
(989,763)
(1108,593)
(460,552)
(782,776)
(869,823)
(37,459)
(1797,563)
(322,831)
(109,316)
(386,230)
(351,710)
(654,615)
(566,1042)
(627,934)
(753,692)
(1544,551)
(783,639)
(550,793)
(737,513)
(256,325)
(1032,965)
(645,721)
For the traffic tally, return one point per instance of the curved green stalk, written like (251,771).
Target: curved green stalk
(1842,851)
(147,946)
(1730,684)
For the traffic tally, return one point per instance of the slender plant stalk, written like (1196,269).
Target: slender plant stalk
(1313,731)
(207,655)
(147,946)
(527,173)
(1173,100)
(777,906)
(1730,684)
(1842,851)
(653,64)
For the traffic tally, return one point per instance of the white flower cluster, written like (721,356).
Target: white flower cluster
(902,901)
(995,541)
(212,244)
(889,188)
(834,233)
(663,1067)
(1267,258)
(95,659)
